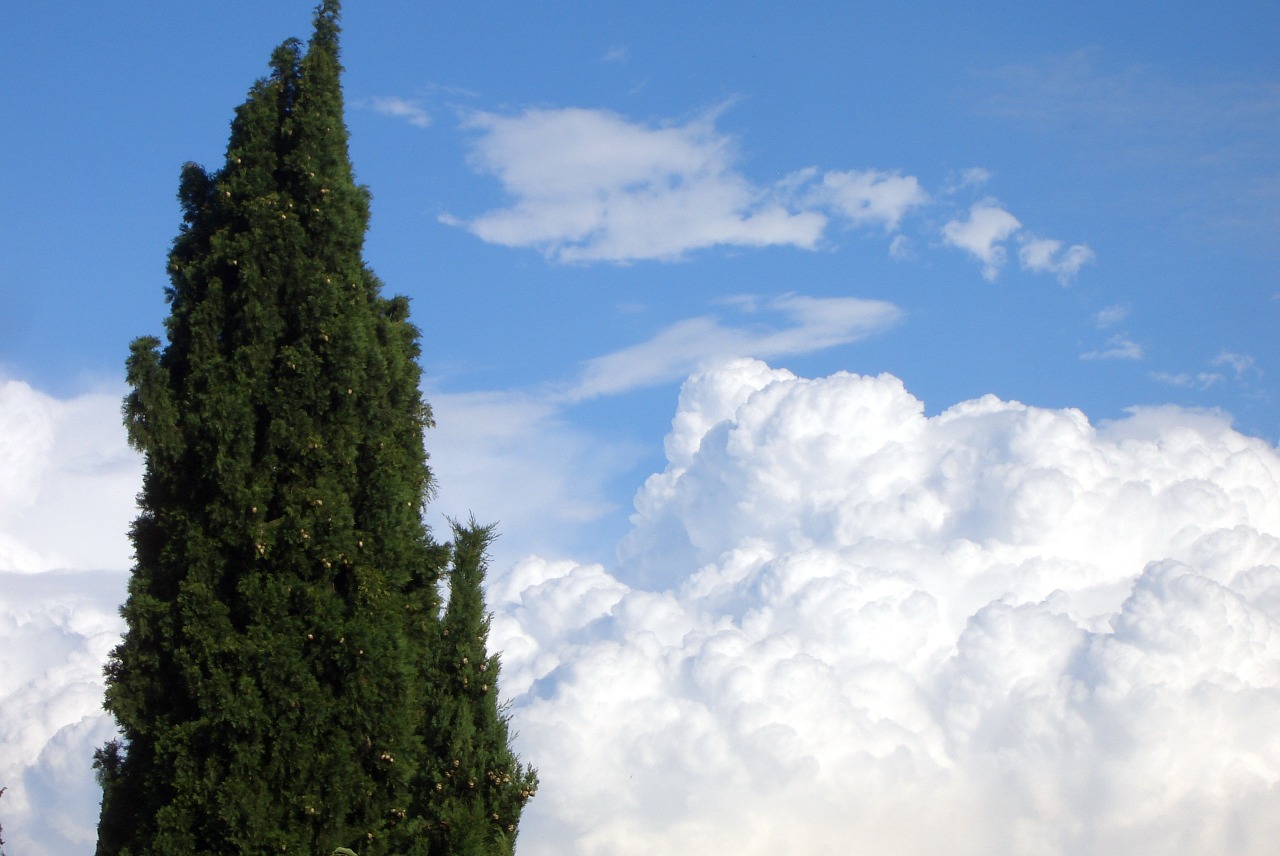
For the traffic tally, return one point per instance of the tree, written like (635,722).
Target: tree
(276,683)
(478,785)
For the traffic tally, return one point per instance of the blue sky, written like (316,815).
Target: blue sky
(1068,206)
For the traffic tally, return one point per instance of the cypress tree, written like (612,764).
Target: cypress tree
(278,683)
(477,784)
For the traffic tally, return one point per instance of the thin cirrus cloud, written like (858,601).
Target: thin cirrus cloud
(1118,348)
(593,186)
(838,621)
(811,324)
(401,108)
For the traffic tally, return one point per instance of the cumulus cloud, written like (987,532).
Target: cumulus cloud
(839,623)
(589,185)
(815,323)
(983,234)
(69,479)
(57,629)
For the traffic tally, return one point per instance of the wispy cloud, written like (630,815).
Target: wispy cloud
(1241,364)
(1118,348)
(401,108)
(809,324)
(1216,137)
(1188,380)
(1110,316)
(1241,371)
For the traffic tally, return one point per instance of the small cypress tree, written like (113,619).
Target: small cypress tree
(477,785)
(276,680)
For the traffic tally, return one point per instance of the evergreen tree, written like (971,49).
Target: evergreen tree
(278,678)
(477,785)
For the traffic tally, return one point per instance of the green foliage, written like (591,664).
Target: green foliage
(476,785)
(279,687)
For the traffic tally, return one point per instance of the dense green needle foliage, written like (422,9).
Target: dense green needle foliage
(287,681)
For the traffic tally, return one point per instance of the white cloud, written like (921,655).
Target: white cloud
(843,624)
(69,480)
(974,176)
(1244,372)
(983,234)
(401,108)
(486,442)
(1118,348)
(1110,316)
(1045,255)
(57,629)
(1187,380)
(870,198)
(589,185)
(815,323)
(1241,364)
(840,624)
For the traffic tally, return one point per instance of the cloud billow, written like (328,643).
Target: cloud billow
(839,623)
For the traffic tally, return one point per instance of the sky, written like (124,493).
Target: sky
(875,404)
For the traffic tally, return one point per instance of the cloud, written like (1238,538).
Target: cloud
(1045,255)
(1244,372)
(839,623)
(982,235)
(1241,364)
(589,185)
(401,108)
(1211,140)
(1118,348)
(815,323)
(870,198)
(69,479)
(1186,380)
(617,53)
(56,630)
(1110,316)
(974,176)
(486,442)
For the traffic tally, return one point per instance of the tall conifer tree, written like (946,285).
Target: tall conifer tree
(279,681)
